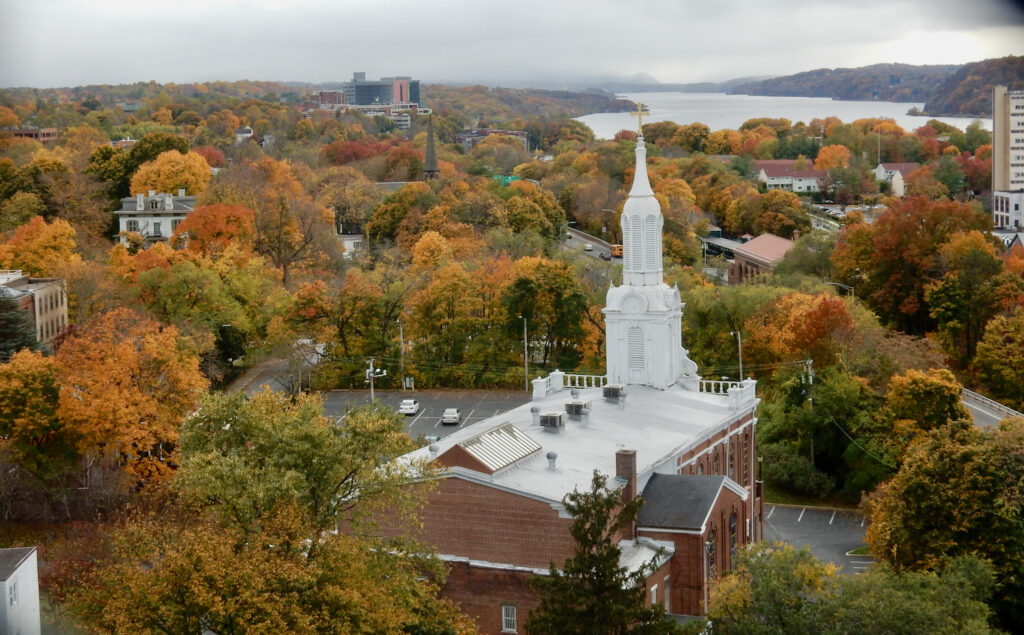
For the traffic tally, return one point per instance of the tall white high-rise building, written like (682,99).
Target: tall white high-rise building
(1007,139)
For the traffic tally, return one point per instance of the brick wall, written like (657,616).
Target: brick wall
(478,522)
(481,593)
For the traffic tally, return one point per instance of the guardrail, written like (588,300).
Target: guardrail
(970,395)
(587,238)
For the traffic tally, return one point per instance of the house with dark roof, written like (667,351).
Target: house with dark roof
(19,591)
(757,256)
(495,513)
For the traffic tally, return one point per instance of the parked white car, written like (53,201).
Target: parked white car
(451,415)
(409,407)
(588,247)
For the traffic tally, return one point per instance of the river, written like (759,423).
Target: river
(720,111)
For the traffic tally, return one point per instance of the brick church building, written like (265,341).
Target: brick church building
(686,445)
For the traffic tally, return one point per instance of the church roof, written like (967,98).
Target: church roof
(681,501)
(656,423)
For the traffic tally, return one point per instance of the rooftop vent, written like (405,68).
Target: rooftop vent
(552,457)
(575,392)
(614,392)
(577,408)
(552,420)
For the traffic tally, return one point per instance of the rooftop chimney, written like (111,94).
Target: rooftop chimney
(139,204)
(181,191)
(625,470)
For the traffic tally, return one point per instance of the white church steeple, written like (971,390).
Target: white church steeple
(643,316)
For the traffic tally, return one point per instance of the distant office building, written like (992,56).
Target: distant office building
(395,98)
(1007,139)
(468,139)
(386,90)
(154,216)
(41,135)
(44,300)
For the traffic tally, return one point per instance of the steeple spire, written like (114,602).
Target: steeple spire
(430,169)
(643,315)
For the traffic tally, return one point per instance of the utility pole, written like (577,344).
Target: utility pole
(401,352)
(526,357)
(372,374)
(739,343)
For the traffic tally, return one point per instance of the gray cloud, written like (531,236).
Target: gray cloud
(69,42)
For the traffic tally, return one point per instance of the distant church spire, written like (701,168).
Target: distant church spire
(643,324)
(430,170)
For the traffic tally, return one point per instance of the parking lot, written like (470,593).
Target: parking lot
(830,533)
(475,405)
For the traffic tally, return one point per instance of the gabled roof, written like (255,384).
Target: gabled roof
(681,501)
(775,171)
(492,450)
(767,248)
(11,559)
(903,168)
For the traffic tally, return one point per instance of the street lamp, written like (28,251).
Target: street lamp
(526,357)
(371,374)
(739,343)
(853,294)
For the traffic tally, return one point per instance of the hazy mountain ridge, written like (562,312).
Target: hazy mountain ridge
(968,91)
(878,82)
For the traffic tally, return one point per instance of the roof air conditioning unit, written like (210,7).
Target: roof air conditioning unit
(577,408)
(614,392)
(552,420)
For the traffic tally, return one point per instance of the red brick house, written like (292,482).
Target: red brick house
(684,444)
(757,256)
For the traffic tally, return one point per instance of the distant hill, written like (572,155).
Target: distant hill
(879,82)
(968,91)
(507,103)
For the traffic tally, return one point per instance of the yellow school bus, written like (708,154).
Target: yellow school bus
(617,251)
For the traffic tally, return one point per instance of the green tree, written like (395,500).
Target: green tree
(1000,358)
(958,493)
(777,589)
(593,592)
(246,457)
(16,330)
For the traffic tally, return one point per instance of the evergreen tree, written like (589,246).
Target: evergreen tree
(594,593)
(16,330)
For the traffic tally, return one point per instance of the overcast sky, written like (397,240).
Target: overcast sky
(47,43)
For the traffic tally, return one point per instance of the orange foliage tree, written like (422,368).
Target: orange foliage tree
(833,156)
(209,229)
(126,382)
(39,248)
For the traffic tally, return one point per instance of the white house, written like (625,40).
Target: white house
(19,591)
(895,174)
(153,215)
(782,174)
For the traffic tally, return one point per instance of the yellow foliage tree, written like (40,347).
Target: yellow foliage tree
(39,248)
(172,171)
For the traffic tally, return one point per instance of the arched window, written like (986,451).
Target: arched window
(715,464)
(709,546)
(732,539)
(746,458)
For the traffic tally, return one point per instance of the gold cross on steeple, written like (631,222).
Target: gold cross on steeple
(639,114)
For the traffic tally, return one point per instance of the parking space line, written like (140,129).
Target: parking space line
(801,517)
(770,512)
(833,517)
